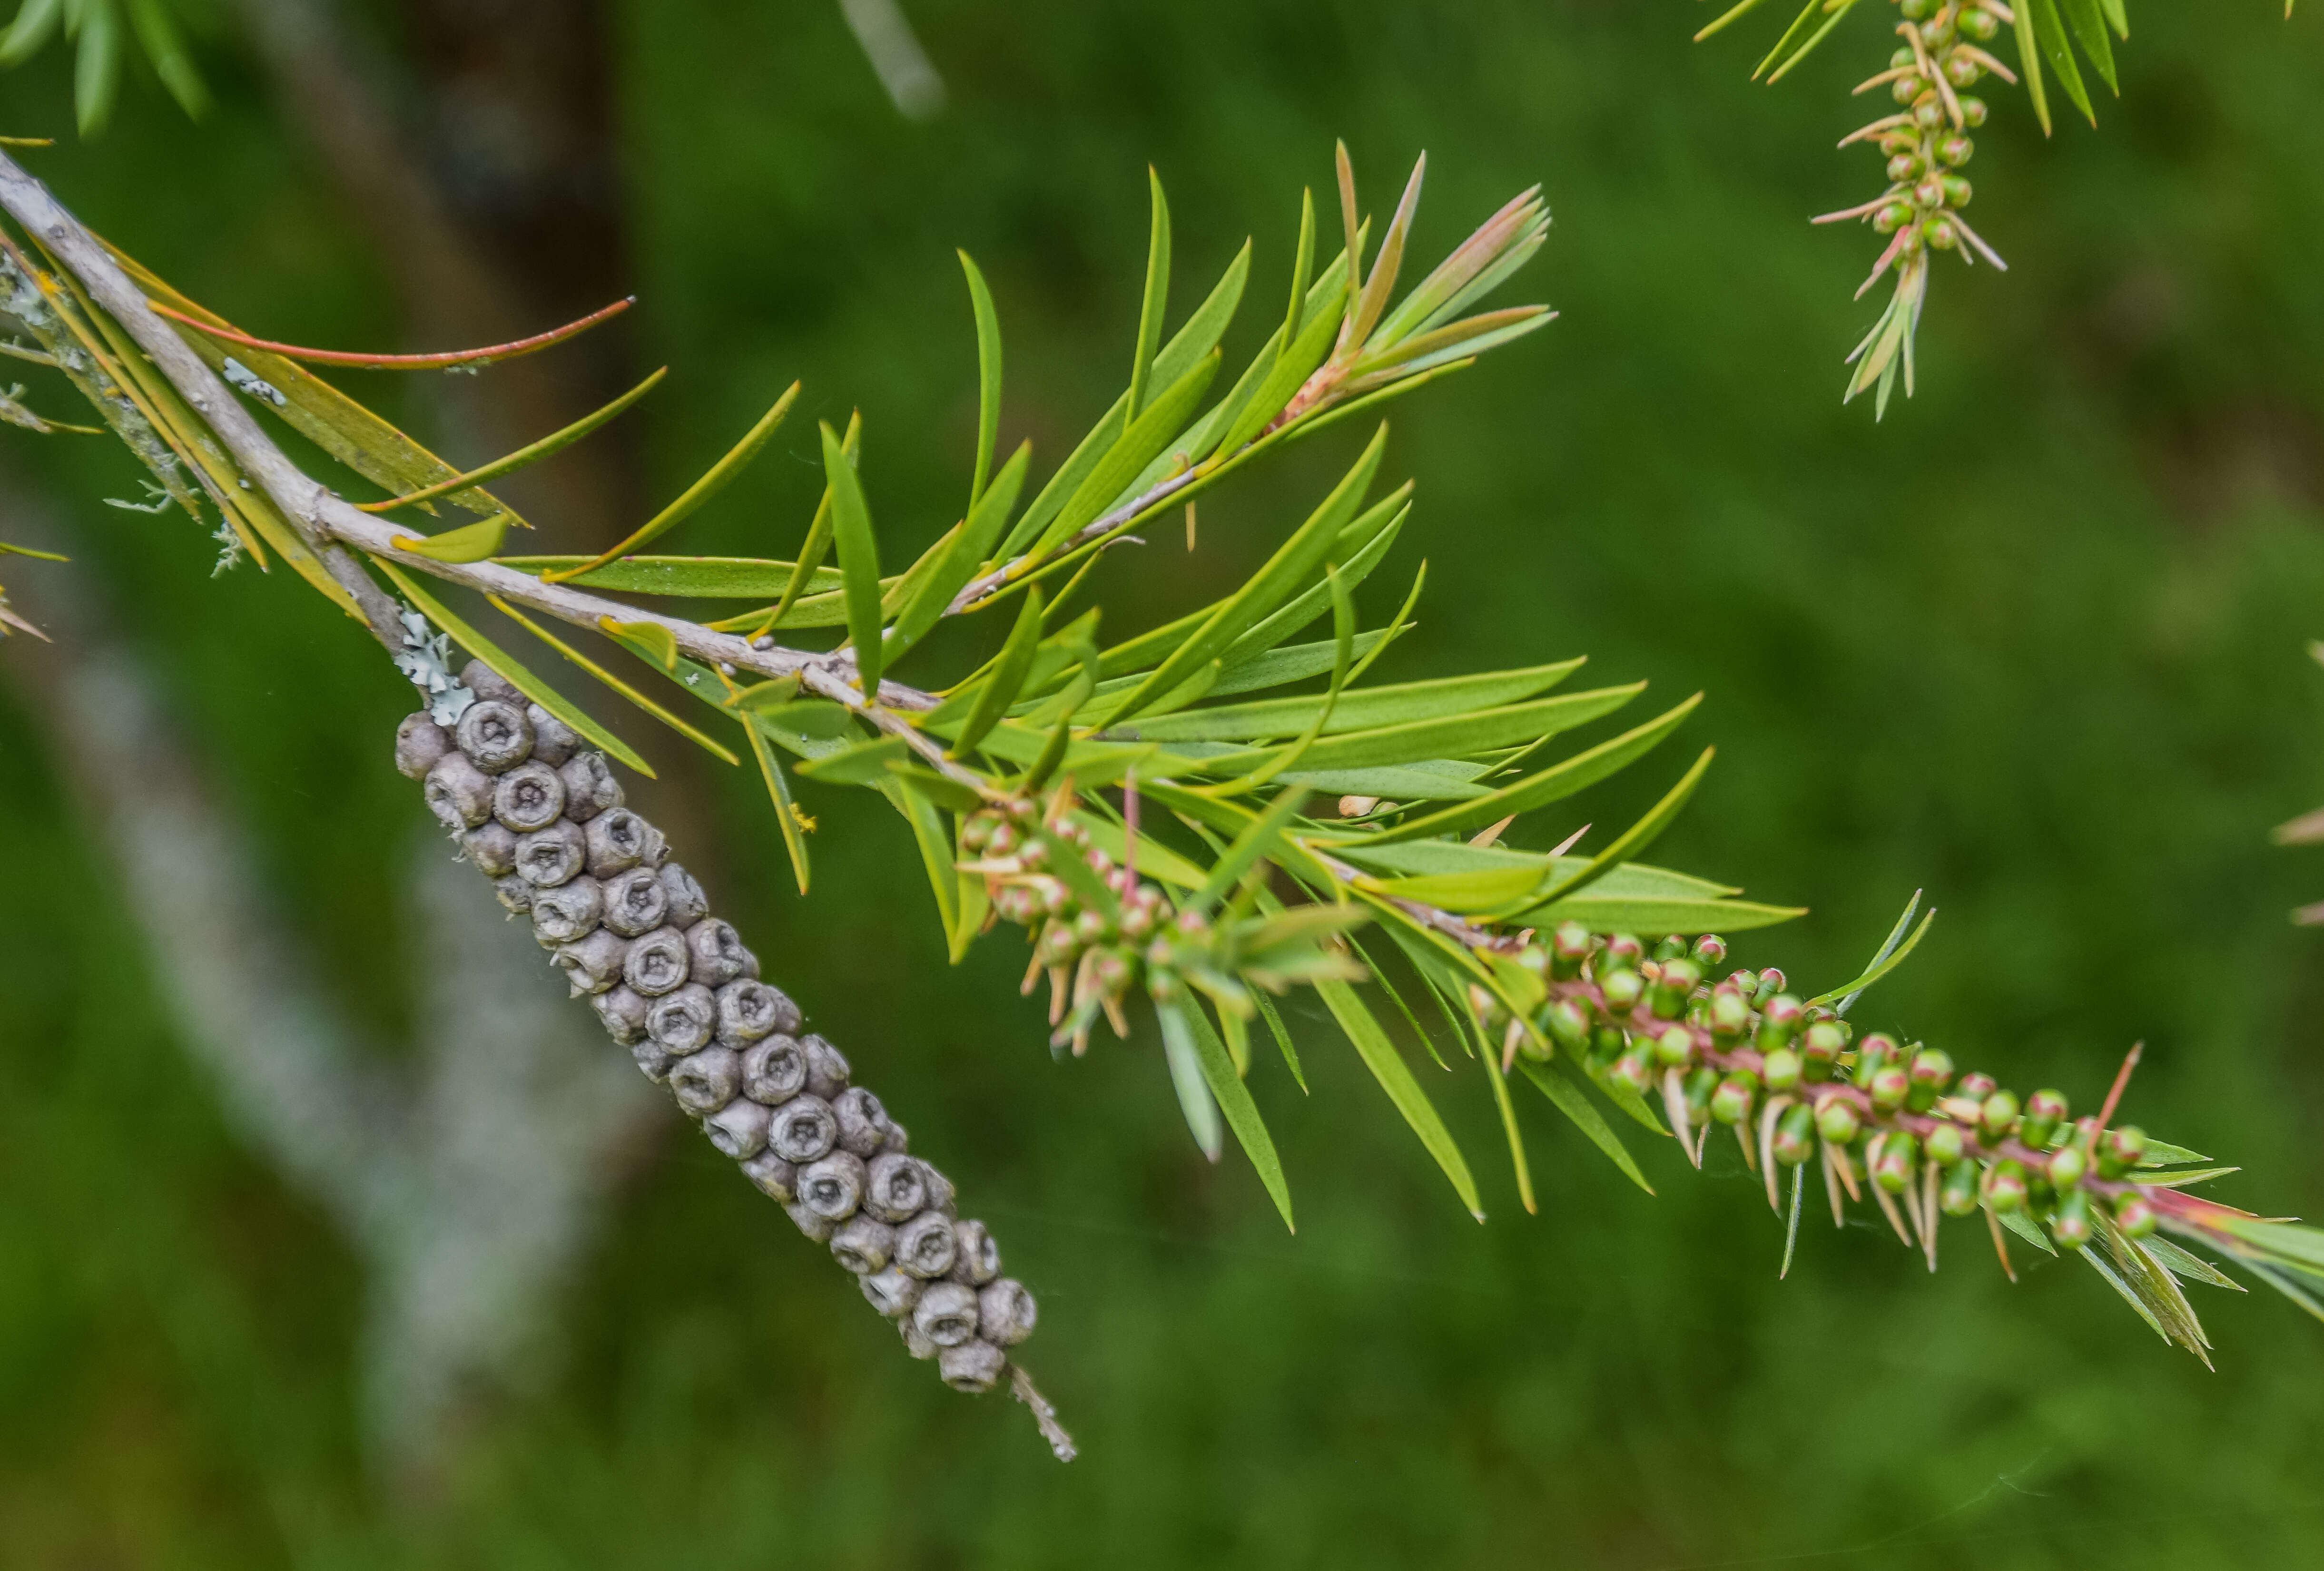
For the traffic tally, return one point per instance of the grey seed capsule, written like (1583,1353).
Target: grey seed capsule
(488,683)
(826,1070)
(925,1247)
(749,1011)
(529,798)
(862,1121)
(939,1189)
(977,1258)
(653,1059)
(1005,1313)
(895,1189)
(592,964)
(496,736)
(457,792)
(890,1292)
(916,1342)
(514,892)
(590,787)
(703,1082)
(894,1140)
(804,1131)
(657,962)
(946,1314)
(635,902)
(974,1366)
(774,1070)
(420,743)
(687,903)
(622,1013)
(862,1245)
(719,956)
(775,1178)
(491,847)
(548,857)
(738,1129)
(569,912)
(681,1021)
(553,740)
(620,840)
(819,1229)
(833,1186)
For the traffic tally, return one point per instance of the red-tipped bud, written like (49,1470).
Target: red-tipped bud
(2071,1224)
(1623,991)
(1674,1048)
(2005,1187)
(1671,989)
(1932,1071)
(2066,1168)
(1794,1139)
(1567,1022)
(1709,952)
(1973,112)
(1731,1102)
(1889,1088)
(1569,947)
(2045,1112)
(1893,1169)
(1873,1054)
(1838,1121)
(1946,1145)
(2135,1216)
(1633,1070)
(1779,1020)
(1780,1067)
(1955,149)
(1998,1114)
(1957,1197)
(1976,1086)
(1730,1014)
(1819,1049)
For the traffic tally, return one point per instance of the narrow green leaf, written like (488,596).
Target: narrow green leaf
(699,739)
(2089,25)
(532,452)
(1551,784)
(1657,918)
(1257,840)
(1801,25)
(1157,295)
(1556,1082)
(935,844)
(512,672)
(1839,10)
(1268,1012)
(1395,1077)
(469,543)
(1234,1099)
(2050,31)
(2025,1228)
(1510,1131)
(1637,837)
(1139,444)
(859,558)
(1884,964)
(1455,736)
(1194,1100)
(687,577)
(778,790)
(988,378)
(1293,367)
(964,553)
(2193,1267)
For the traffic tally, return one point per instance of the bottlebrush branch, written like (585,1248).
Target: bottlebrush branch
(1177,834)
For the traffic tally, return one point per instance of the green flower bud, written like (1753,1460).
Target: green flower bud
(1002,840)
(1957,190)
(1980,24)
(1793,1142)
(1606,1044)
(1700,1087)
(1709,952)
(1929,193)
(1731,1102)
(1837,1120)
(2070,1225)
(2135,1216)
(1873,1054)
(1903,167)
(2066,1168)
(1893,217)
(1566,1021)
(1532,960)
(1779,1018)
(1633,1070)
(1889,1088)
(1957,1197)
(1771,982)
(1902,58)
(1781,1068)
(1892,1170)
(1942,234)
(1954,150)
(1961,70)
(1820,1050)
(1896,141)
(2120,1150)
(1569,947)
(1673,947)
(1674,1048)
(1973,112)
(1946,1144)
(1623,991)
(1999,1112)
(1928,113)
(1932,1071)
(2045,1112)
(2005,1187)
(1730,1014)
(976,830)
(1623,952)
(1904,90)
(1672,990)
(1976,1086)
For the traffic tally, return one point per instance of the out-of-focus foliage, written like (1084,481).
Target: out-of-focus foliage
(2053,687)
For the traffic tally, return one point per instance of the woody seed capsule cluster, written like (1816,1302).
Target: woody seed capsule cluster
(544,820)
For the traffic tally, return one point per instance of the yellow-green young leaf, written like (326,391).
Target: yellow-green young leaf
(1892,955)
(946,793)
(650,641)
(1361,711)
(1551,784)
(1572,1100)
(1140,444)
(2090,30)
(863,763)
(1638,836)
(1156,296)
(964,548)
(531,453)
(1510,1131)
(2029,57)
(1457,736)
(1293,366)
(469,543)
(1650,918)
(714,480)
(779,790)
(1632,879)
(935,841)
(811,727)
(689,732)
(690,577)
(1395,1077)
(1000,689)
(2050,33)
(1256,841)
(1234,1100)
(1465,892)
(859,558)
(988,377)
(512,672)
(1429,780)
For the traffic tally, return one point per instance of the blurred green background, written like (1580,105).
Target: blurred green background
(2033,644)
